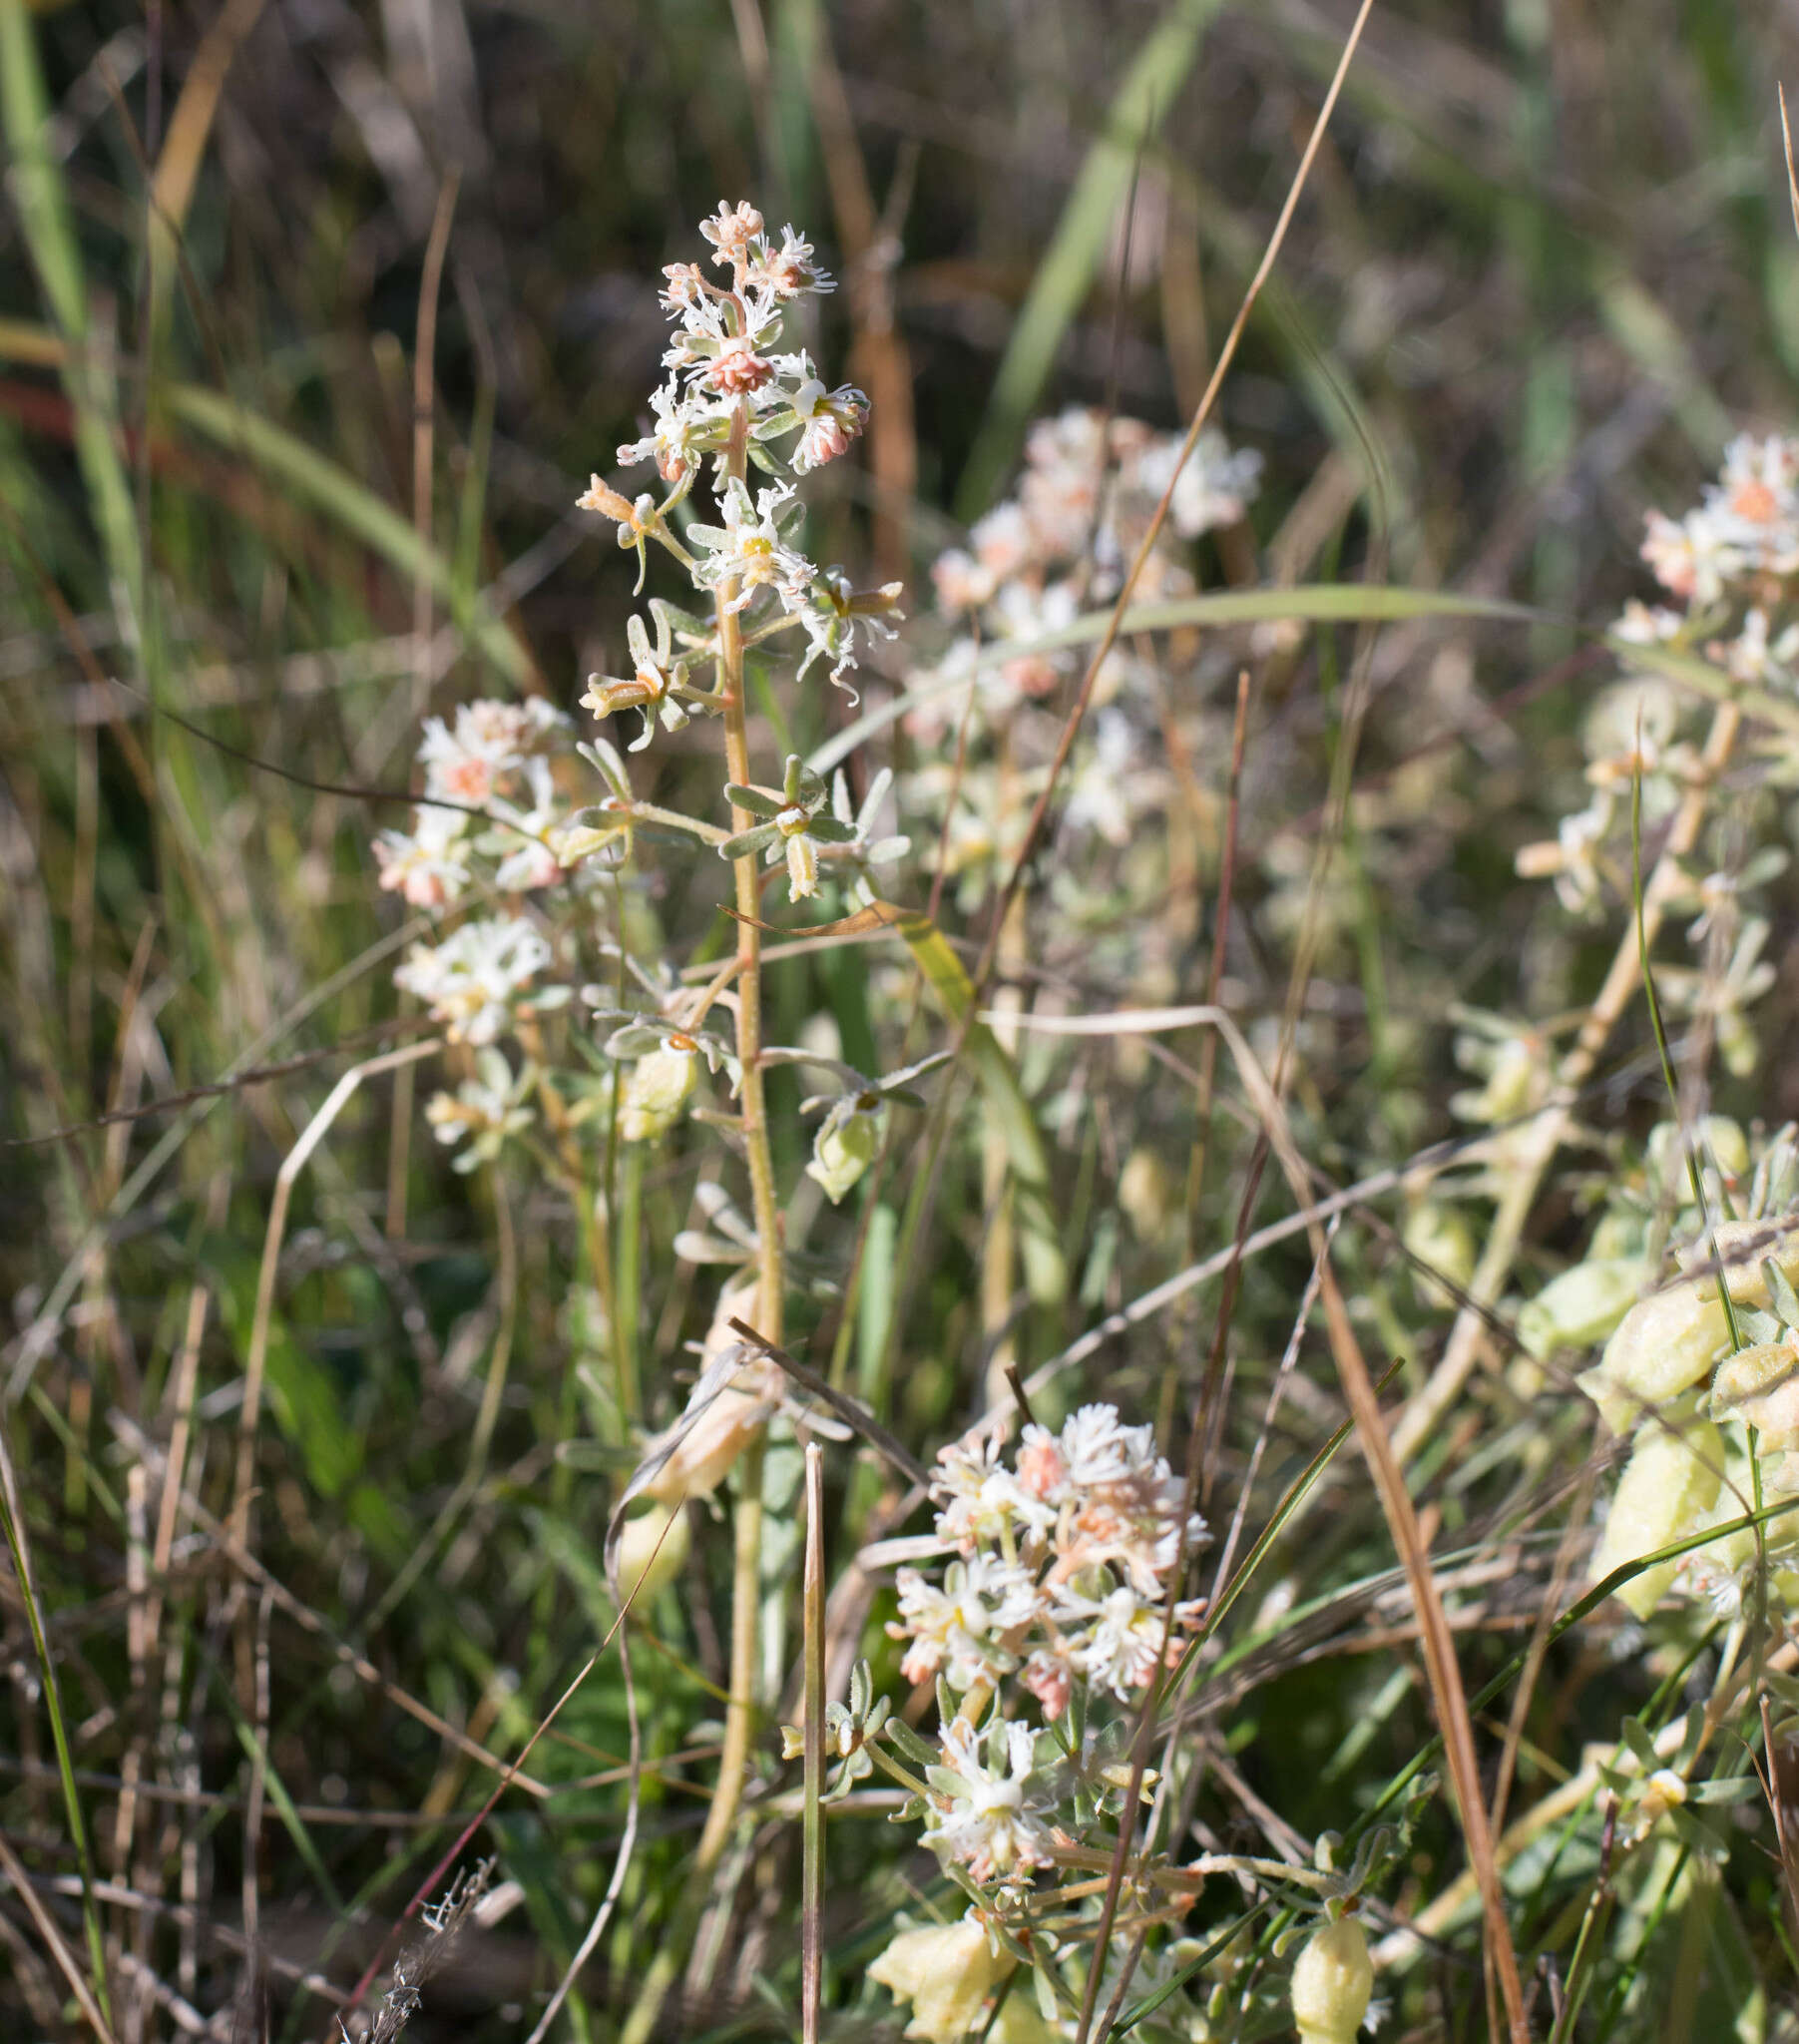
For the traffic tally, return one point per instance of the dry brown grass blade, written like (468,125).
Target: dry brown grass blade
(1792,178)
(185,146)
(879,356)
(1446,1692)
(845,1407)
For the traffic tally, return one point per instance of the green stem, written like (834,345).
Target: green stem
(708,834)
(65,1766)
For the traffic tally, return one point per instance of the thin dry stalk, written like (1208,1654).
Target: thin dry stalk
(424,429)
(67,1963)
(295,1161)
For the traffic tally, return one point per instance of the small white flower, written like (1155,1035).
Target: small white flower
(992,1821)
(1122,1649)
(429,869)
(471,979)
(979,1498)
(749,550)
(529,861)
(959,1630)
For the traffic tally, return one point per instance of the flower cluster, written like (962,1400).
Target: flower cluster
(1729,564)
(1064,1564)
(489,809)
(473,980)
(733,391)
(1009,603)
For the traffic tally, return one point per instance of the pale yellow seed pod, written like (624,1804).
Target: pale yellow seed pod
(1762,1386)
(1332,1982)
(659,1087)
(843,1151)
(1665,1344)
(1439,1235)
(1147,1195)
(1668,1487)
(1580,1307)
(946,1972)
(1741,1247)
(652,1550)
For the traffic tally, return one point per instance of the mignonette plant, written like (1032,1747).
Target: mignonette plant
(1695,1371)
(1052,1602)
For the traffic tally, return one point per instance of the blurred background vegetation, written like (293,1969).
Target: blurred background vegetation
(271,485)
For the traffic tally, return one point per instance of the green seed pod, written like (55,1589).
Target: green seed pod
(659,1089)
(1665,1344)
(844,1147)
(1669,1486)
(1580,1307)
(1332,1982)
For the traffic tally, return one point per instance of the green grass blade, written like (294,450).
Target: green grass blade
(1071,261)
(1040,1241)
(320,483)
(42,202)
(53,1704)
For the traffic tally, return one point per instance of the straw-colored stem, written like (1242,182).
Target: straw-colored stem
(739,1716)
(811,1963)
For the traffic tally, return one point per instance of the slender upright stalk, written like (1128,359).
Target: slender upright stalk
(747,1587)
(811,1959)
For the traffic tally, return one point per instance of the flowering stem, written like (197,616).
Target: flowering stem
(739,1716)
(746,1591)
